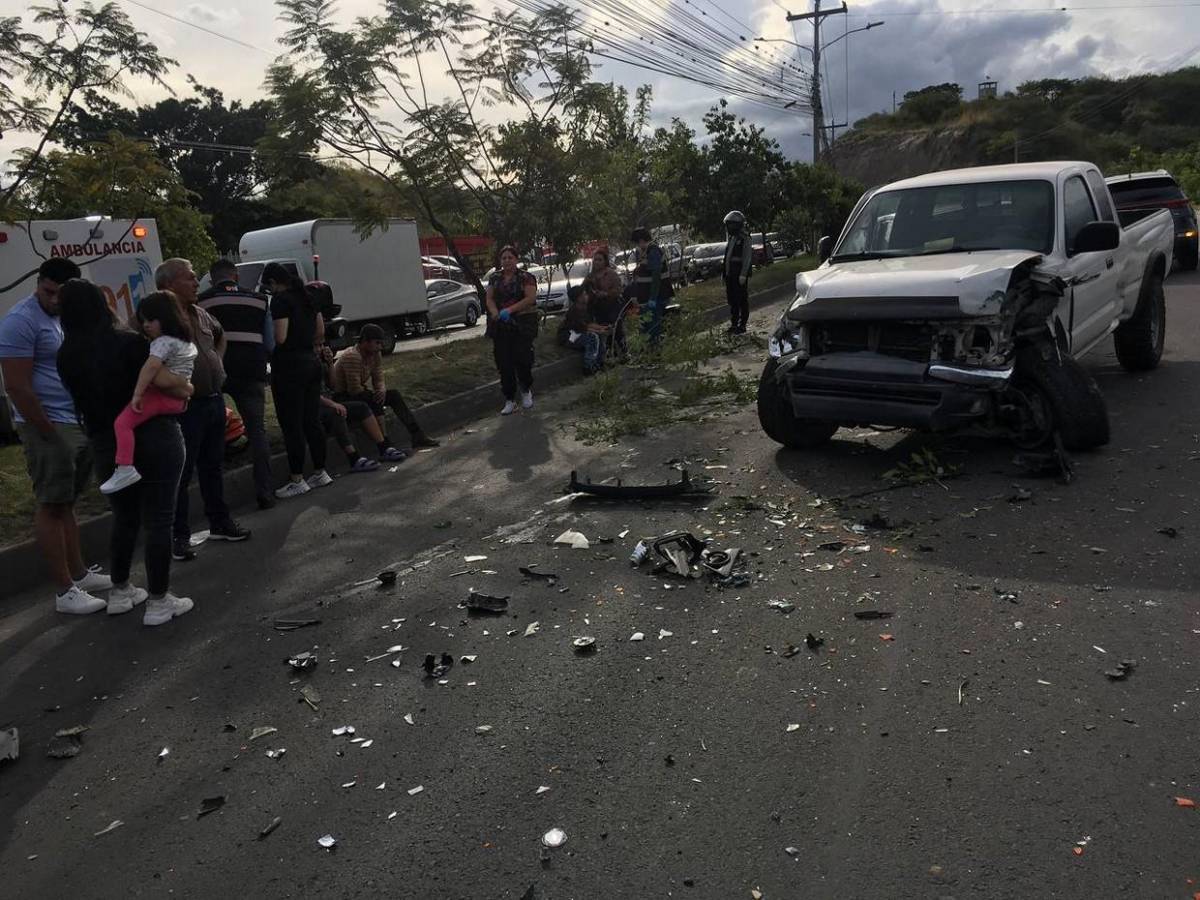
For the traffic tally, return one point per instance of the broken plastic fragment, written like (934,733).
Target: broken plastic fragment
(210,804)
(391,815)
(542,789)
(468,658)
(408,717)
(262,731)
(585,644)
(343,729)
(164,753)
(435,668)
(872,614)
(813,642)
(327,841)
(792,851)
(302,661)
(365,744)
(485,603)
(794,726)
(637,636)
(532,628)
(782,605)
(663,633)
(483,729)
(349,784)
(1186,802)
(271,827)
(381,786)
(112,826)
(555,837)
(573,539)
(10,744)
(471,559)
(276,754)
(412,792)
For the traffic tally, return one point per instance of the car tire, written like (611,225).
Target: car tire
(472,315)
(1062,397)
(780,423)
(1139,342)
(1189,259)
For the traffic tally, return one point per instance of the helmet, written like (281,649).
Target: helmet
(735,217)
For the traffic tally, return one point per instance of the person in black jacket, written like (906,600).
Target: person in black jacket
(739,259)
(249,339)
(99,364)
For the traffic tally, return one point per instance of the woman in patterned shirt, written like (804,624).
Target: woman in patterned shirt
(513,325)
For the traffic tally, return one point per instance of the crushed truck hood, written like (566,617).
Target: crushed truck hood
(977,281)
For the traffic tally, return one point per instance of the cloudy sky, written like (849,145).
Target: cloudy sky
(922,42)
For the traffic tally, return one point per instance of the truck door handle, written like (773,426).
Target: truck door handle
(1084,279)
(1108,263)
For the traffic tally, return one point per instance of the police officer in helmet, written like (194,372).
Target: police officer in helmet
(738,260)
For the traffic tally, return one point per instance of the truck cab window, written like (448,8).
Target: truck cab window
(1077,210)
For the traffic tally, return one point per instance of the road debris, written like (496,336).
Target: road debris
(1169,531)
(112,826)
(294,624)
(408,717)
(210,804)
(10,743)
(620,491)
(164,753)
(328,841)
(486,603)
(663,633)
(66,743)
(542,789)
(887,637)
(555,837)
(304,660)
(1186,802)
(413,791)
(309,695)
(813,643)
(872,614)
(1122,670)
(640,553)
(274,823)
(573,539)
(637,636)
(792,727)
(343,730)
(679,551)
(961,686)
(584,644)
(783,606)
(435,668)
(483,729)
(549,577)
(276,754)
(262,731)
(475,558)
(532,628)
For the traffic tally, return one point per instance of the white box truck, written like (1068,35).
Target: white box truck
(119,255)
(377,278)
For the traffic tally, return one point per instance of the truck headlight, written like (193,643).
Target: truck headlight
(788,339)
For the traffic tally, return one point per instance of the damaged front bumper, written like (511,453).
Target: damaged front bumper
(866,388)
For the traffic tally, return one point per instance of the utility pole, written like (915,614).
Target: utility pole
(818,112)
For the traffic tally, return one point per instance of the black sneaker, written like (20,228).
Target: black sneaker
(265,501)
(181,550)
(228,531)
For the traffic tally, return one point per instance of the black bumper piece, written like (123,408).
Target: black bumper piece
(871,389)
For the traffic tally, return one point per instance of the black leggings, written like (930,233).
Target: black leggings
(512,348)
(738,296)
(148,505)
(296,387)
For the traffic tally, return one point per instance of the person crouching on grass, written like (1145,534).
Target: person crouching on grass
(162,320)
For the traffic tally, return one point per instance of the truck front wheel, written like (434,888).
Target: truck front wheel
(780,423)
(1139,342)
(1055,393)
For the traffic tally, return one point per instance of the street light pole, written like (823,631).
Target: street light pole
(818,113)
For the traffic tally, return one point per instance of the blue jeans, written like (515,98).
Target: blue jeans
(203,424)
(593,352)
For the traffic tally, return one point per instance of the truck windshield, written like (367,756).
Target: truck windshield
(953,218)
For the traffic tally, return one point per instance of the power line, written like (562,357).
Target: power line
(216,34)
(1015,10)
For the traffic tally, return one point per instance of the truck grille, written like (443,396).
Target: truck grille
(901,339)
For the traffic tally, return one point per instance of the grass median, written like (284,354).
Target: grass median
(437,373)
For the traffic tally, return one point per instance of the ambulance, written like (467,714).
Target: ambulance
(119,255)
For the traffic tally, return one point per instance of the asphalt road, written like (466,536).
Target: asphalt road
(979,752)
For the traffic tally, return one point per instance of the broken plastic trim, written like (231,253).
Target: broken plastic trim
(621,491)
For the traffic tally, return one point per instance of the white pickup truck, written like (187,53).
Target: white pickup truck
(965,298)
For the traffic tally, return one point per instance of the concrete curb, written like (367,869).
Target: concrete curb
(21,566)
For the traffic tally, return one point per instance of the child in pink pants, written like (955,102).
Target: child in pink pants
(164,322)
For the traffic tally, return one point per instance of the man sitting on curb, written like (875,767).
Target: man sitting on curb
(358,375)
(335,417)
(579,330)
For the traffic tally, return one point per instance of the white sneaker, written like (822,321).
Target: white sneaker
(77,602)
(121,478)
(160,610)
(124,599)
(292,489)
(509,408)
(94,580)
(319,479)
(527,400)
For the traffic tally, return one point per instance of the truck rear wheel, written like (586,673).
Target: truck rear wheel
(780,423)
(1057,394)
(389,340)
(1139,342)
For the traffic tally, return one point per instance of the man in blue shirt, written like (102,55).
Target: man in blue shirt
(57,453)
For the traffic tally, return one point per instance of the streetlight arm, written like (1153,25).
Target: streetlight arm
(850,32)
(824,47)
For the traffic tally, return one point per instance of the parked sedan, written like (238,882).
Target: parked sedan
(452,303)
(708,260)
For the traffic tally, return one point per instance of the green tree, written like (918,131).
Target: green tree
(118,177)
(932,104)
(743,170)
(85,51)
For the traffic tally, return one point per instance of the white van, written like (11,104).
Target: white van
(119,255)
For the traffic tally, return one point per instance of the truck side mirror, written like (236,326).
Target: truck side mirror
(824,248)
(1097,237)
